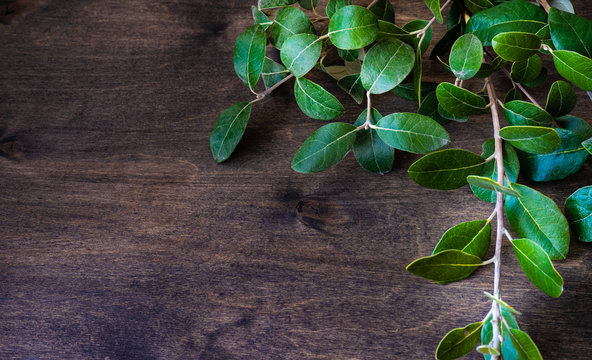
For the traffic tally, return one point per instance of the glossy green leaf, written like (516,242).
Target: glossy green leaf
(587,144)
(289,22)
(502,303)
(455,16)
(249,54)
(459,101)
(578,210)
(516,46)
(511,165)
(445,267)
(522,113)
(349,55)
(334,5)
(561,99)
(526,70)
(532,139)
(270,4)
(353,27)
(434,6)
(308,4)
(406,90)
(446,169)
(324,148)
(448,116)
(539,80)
(525,347)
(513,94)
(352,84)
(489,184)
(459,342)
(412,132)
(514,15)
(538,267)
(571,32)
(466,56)
(498,63)
(475,6)
(228,130)
(574,67)
(300,53)
(370,151)
(260,18)
(484,71)
(413,40)
(383,9)
(387,30)
(273,73)
(534,216)
(386,65)
(566,160)
(473,237)
(575,124)
(315,101)
(429,107)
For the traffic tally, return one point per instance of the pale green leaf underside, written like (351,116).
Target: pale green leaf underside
(472,237)
(489,184)
(459,342)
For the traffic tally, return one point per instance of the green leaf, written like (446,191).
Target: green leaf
(578,209)
(513,94)
(487,350)
(570,32)
(484,71)
(260,18)
(536,217)
(459,342)
(524,113)
(511,165)
(338,72)
(383,10)
(539,80)
(249,54)
(574,67)
(498,63)
(538,267)
(349,55)
(564,5)
(446,169)
(561,99)
(566,160)
(324,148)
(445,43)
(412,132)
(532,139)
(308,4)
(413,40)
(448,116)
(488,184)
(473,237)
(429,107)
(273,73)
(370,151)
(587,144)
(315,101)
(228,130)
(466,56)
(516,46)
(334,5)
(417,74)
(270,4)
(525,347)
(386,65)
(508,351)
(515,15)
(434,6)
(475,6)
(502,303)
(576,125)
(459,101)
(445,267)
(300,53)
(289,22)
(527,70)
(353,27)
(352,84)
(387,30)
(406,90)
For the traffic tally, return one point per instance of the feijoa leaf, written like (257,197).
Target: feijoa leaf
(434,6)
(249,54)
(370,151)
(289,22)
(353,27)
(412,132)
(574,67)
(300,53)
(315,101)
(459,101)
(473,237)
(386,65)
(352,84)
(489,184)
(228,130)
(561,99)
(466,56)
(445,267)
(459,342)
(446,169)
(383,9)
(538,267)
(570,32)
(532,139)
(527,70)
(578,210)
(525,347)
(527,114)
(516,46)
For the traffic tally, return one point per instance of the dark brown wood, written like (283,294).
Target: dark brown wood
(122,239)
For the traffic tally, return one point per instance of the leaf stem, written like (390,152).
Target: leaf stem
(420,32)
(545,5)
(368,122)
(262,95)
(507,233)
(492,215)
(487,262)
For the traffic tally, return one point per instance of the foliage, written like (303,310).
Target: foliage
(483,38)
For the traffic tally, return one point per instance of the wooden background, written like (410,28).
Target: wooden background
(122,239)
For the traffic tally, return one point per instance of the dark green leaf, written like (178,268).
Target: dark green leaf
(566,160)
(511,165)
(446,169)
(455,16)
(525,347)
(459,101)
(383,10)
(349,55)
(260,18)
(473,237)
(516,46)
(412,132)
(308,4)
(466,56)
(269,4)
(353,27)
(484,71)
(407,91)
(532,139)
(249,54)
(498,63)
(576,125)
(315,101)
(489,184)
(352,84)
(446,42)
(273,73)
(228,130)
(386,65)
(459,342)
(534,216)
(289,22)
(334,5)
(538,267)
(434,6)
(526,70)
(324,148)
(300,53)
(475,6)
(445,267)
(514,15)
(570,32)
(574,67)
(387,30)
(415,25)
(561,99)
(370,151)
(448,116)
(539,80)
(429,107)
(578,209)
(524,113)
(513,94)
(587,144)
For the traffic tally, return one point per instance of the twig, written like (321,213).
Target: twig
(271,89)
(425,28)
(368,122)
(545,5)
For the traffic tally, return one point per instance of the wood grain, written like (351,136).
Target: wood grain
(122,239)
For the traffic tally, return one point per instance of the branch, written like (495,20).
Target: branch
(271,89)
(545,5)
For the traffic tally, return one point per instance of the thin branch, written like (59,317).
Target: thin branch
(425,29)
(507,233)
(271,89)
(519,86)
(368,122)
(545,5)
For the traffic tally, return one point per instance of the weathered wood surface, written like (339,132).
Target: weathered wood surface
(122,239)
